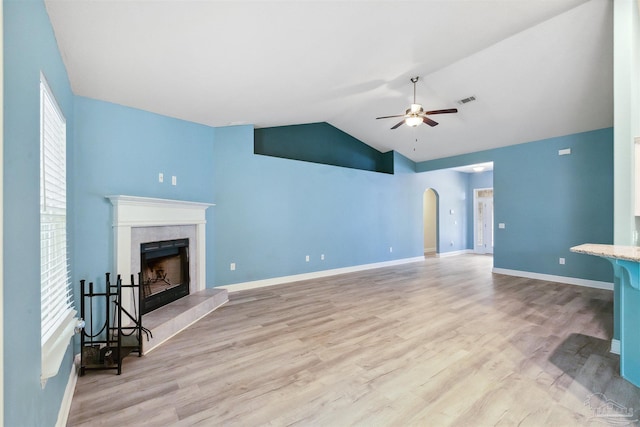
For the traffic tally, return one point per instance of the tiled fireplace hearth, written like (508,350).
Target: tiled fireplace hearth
(140,220)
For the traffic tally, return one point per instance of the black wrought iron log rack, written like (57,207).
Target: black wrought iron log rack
(105,340)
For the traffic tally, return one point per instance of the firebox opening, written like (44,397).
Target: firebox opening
(165,272)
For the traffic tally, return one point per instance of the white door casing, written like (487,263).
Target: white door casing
(483,221)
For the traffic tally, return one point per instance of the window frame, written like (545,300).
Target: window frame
(57,314)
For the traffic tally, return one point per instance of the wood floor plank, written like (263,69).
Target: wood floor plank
(437,342)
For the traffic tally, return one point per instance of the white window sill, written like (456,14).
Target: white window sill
(56,346)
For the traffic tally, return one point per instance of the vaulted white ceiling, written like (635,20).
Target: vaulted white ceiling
(538,68)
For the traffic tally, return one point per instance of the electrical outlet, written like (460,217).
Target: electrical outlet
(174,180)
(390,249)
(322,257)
(232,266)
(160,177)
(561,261)
(306,258)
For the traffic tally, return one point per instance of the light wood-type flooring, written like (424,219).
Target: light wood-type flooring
(433,343)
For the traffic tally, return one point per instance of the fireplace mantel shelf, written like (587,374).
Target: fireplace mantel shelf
(155,201)
(148,211)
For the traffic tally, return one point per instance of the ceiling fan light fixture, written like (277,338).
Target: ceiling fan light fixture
(413,121)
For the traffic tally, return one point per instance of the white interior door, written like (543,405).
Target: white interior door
(483,223)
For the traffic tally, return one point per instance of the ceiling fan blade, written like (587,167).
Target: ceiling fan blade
(398,125)
(389,117)
(430,122)
(450,110)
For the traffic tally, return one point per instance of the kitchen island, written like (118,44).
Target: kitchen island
(626,268)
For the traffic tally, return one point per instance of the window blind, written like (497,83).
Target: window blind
(57,313)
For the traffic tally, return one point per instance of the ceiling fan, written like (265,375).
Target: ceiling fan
(415,115)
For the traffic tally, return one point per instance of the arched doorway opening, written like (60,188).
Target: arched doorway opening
(430,222)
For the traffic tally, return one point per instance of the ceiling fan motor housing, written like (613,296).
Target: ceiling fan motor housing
(415,109)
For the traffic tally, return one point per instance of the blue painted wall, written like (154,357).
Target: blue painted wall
(29,47)
(121,150)
(321,143)
(481,180)
(453,194)
(272,212)
(550,203)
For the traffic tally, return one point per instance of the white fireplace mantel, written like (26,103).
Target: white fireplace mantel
(136,211)
(132,211)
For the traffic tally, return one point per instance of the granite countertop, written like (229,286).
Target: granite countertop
(629,253)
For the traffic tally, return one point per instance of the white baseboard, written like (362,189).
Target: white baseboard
(65,406)
(552,278)
(454,253)
(315,275)
(615,346)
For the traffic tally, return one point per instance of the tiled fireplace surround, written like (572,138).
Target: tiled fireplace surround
(139,220)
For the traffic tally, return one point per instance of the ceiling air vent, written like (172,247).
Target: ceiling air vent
(466,100)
